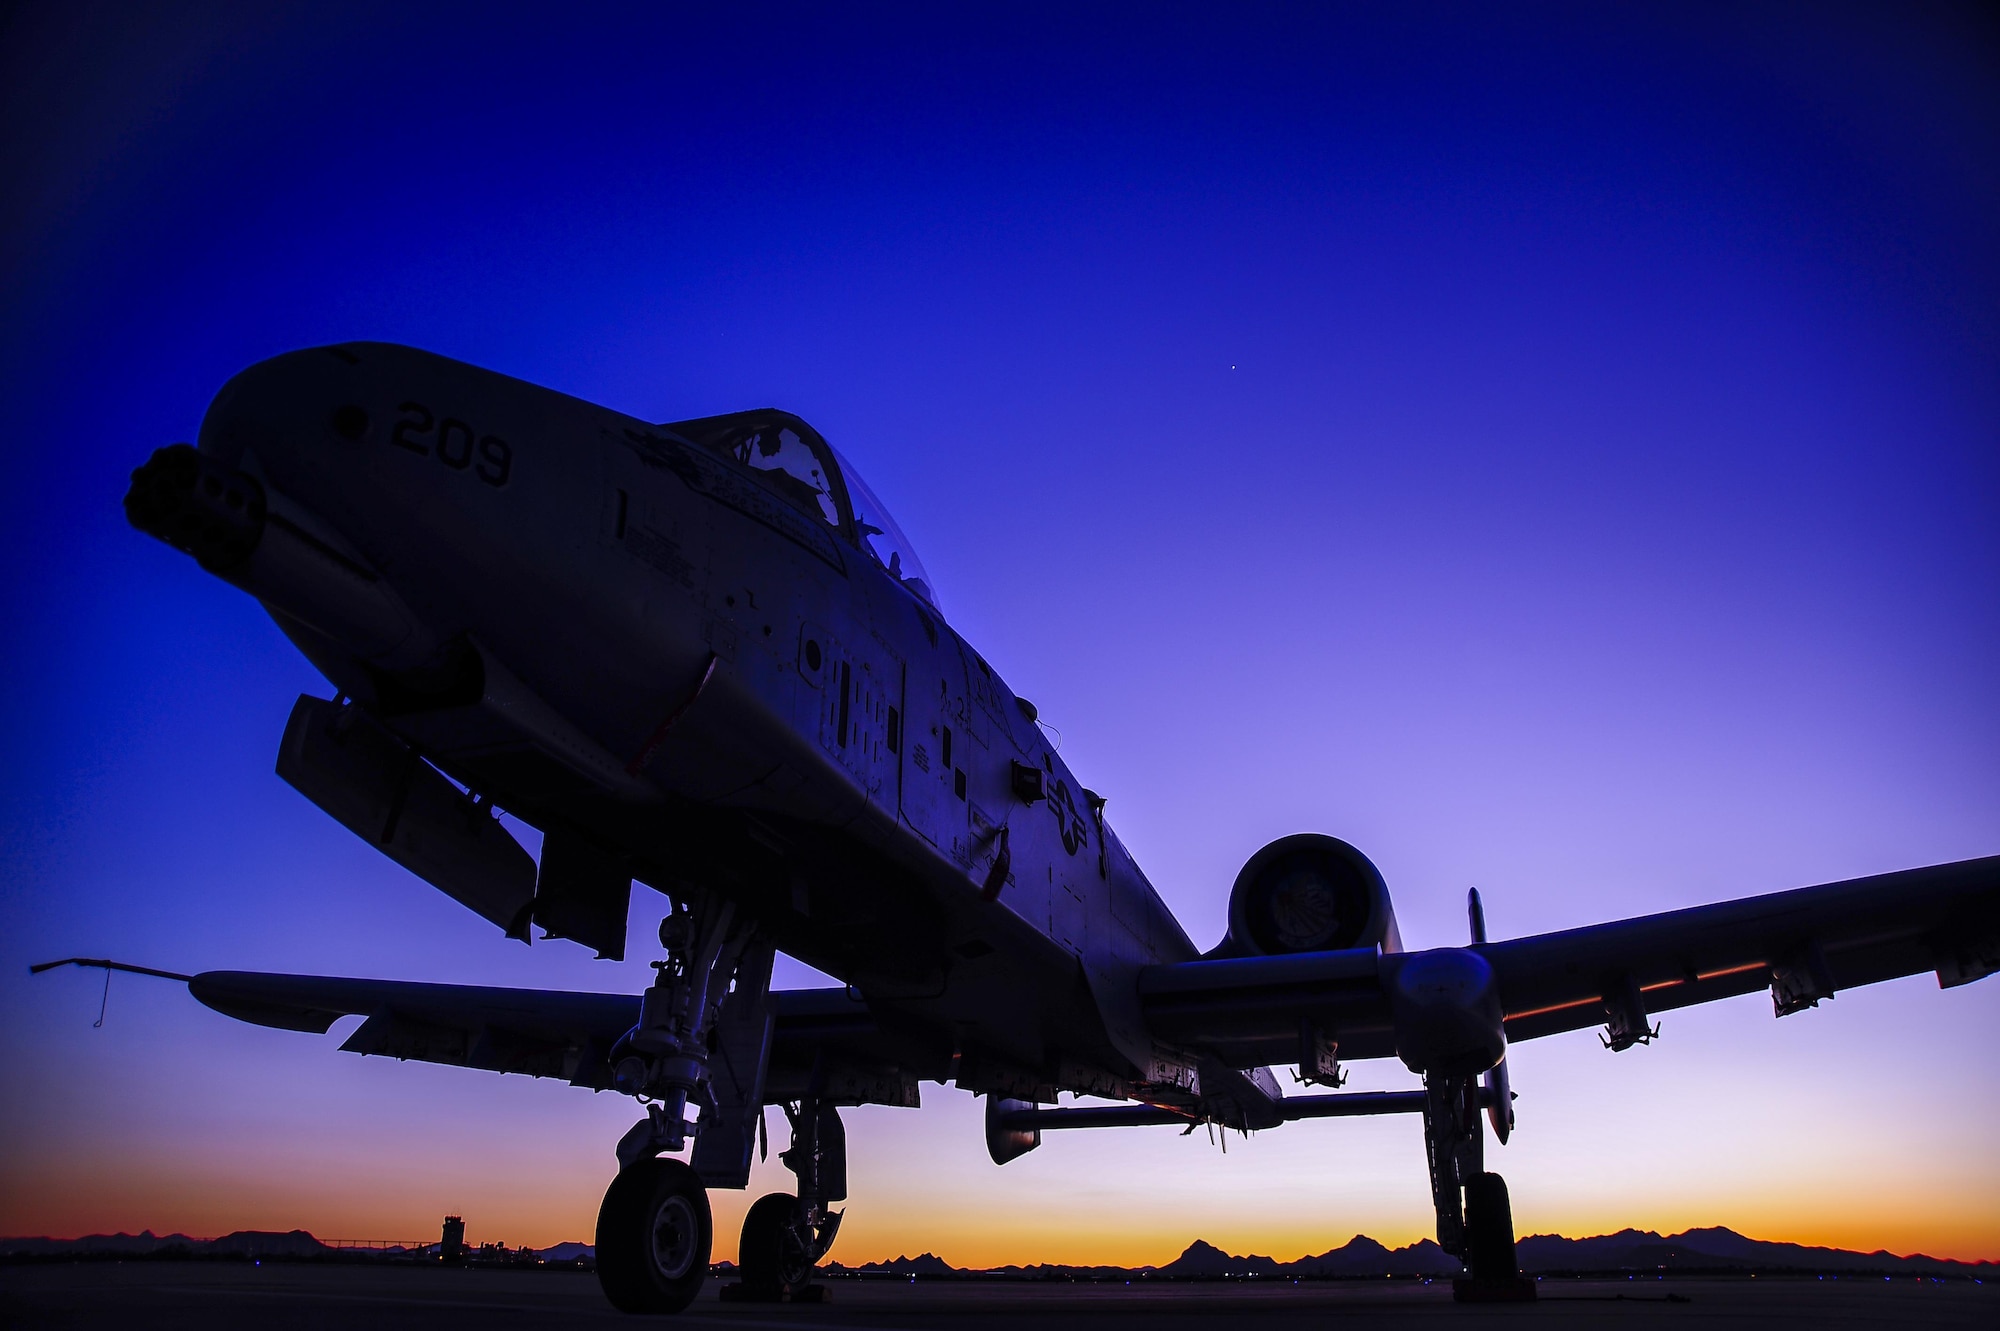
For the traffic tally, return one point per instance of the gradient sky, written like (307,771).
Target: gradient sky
(1557,451)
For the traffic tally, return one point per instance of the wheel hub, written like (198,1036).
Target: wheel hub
(675,1235)
(795,1251)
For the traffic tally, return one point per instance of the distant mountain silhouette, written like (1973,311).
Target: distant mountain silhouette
(1712,1249)
(140,1244)
(923,1264)
(242,1243)
(568,1252)
(1361,1256)
(1718,1248)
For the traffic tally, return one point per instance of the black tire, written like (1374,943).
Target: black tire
(654,1232)
(775,1255)
(1489,1231)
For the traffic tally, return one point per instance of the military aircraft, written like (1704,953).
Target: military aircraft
(701,655)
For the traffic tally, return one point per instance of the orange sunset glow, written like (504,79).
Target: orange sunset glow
(1549,454)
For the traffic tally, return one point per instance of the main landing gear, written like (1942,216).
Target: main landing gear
(785,1236)
(1475,1220)
(655,1232)
(703,1043)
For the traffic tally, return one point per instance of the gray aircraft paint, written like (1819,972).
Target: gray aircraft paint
(601,566)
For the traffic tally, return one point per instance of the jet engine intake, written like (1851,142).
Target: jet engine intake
(1308,893)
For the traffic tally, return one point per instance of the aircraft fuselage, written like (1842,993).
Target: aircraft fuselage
(631,640)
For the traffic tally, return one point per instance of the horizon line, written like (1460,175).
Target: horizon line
(905,1257)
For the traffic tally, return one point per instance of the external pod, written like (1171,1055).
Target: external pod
(1447,1011)
(1004,1142)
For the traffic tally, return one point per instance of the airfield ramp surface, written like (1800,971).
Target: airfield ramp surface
(222,1296)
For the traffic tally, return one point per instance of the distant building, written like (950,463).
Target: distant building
(452,1250)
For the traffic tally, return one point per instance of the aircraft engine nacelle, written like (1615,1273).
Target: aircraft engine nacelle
(1309,893)
(1448,1017)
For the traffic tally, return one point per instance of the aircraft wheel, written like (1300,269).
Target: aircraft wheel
(653,1236)
(775,1255)
(1489,1230)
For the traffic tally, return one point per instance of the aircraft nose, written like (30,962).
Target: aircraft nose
(372,442)
(285,419)
(423,514)
(287,497)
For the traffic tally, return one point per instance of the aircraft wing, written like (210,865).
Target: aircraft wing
(1245,1012)
(1802,945)
(828,1034)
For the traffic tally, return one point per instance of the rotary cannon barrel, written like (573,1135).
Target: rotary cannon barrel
(261,541)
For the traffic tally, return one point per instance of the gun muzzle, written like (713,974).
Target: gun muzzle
(197,505)
(264,543)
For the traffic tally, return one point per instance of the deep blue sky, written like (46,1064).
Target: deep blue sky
(1556,450)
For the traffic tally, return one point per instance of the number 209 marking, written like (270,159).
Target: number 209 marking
(457,446)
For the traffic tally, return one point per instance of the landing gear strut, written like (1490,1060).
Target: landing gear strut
(664,1058)
(1475,1220)
(654,1230)
(785,1236)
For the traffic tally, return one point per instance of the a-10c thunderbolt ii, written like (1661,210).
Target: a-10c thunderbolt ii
(701,656)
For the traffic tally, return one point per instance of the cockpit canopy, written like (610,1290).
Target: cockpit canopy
(794,462)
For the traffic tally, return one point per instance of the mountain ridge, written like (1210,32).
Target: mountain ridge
(1709,1248)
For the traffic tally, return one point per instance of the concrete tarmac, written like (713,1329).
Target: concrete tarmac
(223,1296)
